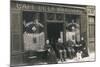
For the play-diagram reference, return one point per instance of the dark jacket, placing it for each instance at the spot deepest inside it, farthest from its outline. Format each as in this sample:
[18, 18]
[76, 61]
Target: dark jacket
[47, 46]
[70, 43]
[60, 46]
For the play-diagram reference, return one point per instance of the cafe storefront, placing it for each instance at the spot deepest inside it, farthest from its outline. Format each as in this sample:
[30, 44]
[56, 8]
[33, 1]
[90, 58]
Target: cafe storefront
[54, 20]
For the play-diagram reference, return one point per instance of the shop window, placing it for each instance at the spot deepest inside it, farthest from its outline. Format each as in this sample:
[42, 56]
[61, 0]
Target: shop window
[33, 35]
[72, 28]
[91, 19]
[59, 17]
[50, 16]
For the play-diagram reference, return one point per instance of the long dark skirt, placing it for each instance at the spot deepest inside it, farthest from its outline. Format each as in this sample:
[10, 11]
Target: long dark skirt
[51, 57]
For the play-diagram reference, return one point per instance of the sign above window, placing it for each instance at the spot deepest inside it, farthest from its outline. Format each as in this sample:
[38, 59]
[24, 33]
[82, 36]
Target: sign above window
[45, 8]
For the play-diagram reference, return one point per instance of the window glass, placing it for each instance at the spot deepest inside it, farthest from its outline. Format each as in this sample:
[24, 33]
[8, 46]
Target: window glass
[33, 35]
[72, 28]
[50, 16]
[91, 19]
[59, 17]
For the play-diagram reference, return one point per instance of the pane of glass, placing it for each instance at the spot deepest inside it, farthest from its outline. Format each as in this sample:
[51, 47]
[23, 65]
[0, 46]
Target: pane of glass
[59, 17]
[91, 19]
[50, 16]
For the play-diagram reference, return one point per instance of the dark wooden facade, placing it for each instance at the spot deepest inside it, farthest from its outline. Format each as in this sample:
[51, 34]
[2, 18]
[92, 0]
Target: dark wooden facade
[17, 9]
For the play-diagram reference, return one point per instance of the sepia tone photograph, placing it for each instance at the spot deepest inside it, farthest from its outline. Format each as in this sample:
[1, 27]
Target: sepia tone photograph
[51, 33]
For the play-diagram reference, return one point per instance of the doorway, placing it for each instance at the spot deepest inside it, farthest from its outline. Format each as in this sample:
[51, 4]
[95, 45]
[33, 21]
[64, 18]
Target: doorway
[54, 32]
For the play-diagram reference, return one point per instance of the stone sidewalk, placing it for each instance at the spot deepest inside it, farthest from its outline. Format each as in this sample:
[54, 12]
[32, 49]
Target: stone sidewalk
[91, 57]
